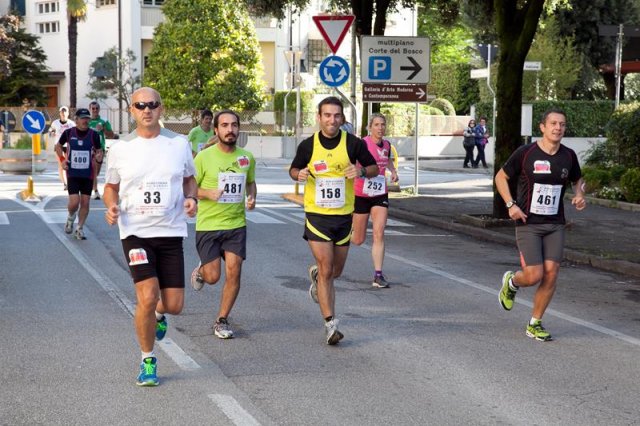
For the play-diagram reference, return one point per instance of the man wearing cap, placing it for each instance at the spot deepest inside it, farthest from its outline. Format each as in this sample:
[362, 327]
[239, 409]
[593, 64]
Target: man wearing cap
[103, 127]
[55, 131]
[79, 160]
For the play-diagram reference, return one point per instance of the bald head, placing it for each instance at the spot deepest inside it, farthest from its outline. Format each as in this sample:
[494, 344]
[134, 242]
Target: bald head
[147, 93]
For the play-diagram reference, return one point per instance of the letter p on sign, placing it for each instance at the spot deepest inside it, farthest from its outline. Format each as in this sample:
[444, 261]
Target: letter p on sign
[380, 67]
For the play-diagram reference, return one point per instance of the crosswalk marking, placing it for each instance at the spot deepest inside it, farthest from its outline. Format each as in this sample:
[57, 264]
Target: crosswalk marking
[54, 217]
[4, 219]
[257, 217]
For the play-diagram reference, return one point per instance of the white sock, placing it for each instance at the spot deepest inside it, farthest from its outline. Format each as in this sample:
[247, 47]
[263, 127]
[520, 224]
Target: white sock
[533, 320]
[513, 285]
[159, 316]
[147, 355]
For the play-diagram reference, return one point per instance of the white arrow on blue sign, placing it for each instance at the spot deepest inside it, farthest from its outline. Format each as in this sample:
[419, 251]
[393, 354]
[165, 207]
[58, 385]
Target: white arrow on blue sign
[33, 122]
[334, 71]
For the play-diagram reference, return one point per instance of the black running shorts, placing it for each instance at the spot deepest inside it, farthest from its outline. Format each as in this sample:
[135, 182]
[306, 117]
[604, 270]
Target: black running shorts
[327, 228]
[212, 244]
[80, 185]
[363, 205]
[160, 257]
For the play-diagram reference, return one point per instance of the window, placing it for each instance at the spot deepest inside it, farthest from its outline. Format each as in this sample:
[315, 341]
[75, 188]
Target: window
[102, 3]
[48, 7]
[48, 27]
[153, 2]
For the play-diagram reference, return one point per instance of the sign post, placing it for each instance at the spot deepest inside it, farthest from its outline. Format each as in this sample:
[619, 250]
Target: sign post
[33, 122]
[396, 69]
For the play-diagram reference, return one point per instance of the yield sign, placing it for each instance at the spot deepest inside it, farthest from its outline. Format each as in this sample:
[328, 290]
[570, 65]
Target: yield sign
[333, 29]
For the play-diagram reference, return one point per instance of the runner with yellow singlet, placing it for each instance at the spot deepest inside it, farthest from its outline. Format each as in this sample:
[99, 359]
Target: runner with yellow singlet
[326, 163]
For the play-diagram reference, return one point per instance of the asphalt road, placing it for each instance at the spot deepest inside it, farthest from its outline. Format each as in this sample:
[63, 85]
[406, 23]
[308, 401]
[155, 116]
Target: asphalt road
[435, 348]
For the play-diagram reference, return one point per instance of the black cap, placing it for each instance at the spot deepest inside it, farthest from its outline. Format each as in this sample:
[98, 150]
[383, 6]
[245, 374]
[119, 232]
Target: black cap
[83, 113]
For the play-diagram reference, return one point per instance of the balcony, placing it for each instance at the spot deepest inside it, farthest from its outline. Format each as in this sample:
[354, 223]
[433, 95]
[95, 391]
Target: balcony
[151, 16]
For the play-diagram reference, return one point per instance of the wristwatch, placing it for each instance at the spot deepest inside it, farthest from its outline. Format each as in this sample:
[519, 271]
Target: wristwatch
[511, 203]
[363, 172]
[193, 198]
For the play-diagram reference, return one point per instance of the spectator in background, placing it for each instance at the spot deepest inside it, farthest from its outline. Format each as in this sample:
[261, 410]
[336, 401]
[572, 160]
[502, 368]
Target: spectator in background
[469, 142]
[55, 131]
[482, 135]
[103, 127]
[200, 135]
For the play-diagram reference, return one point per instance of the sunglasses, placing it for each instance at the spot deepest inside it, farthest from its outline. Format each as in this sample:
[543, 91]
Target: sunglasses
[142, 105]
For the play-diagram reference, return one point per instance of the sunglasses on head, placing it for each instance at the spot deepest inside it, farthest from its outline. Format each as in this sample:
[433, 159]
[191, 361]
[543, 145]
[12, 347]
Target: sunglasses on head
[142, 105]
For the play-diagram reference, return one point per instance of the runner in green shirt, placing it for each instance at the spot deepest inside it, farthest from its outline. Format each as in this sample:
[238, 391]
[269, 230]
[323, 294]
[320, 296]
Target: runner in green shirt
[225, 175]
[103, 127]
[200, 135]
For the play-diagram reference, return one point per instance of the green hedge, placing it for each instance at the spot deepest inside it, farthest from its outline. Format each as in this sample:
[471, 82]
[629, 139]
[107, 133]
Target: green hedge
[452, 82]
[584, 118]
[306, 106]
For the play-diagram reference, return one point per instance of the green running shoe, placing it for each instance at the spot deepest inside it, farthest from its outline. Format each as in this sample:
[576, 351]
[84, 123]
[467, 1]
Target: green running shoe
[536, 331]
[161, 328]
[148, 375]
[507, 295]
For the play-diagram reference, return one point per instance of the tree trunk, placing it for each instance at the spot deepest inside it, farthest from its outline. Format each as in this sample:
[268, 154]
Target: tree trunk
[516, 28]
[73, 44]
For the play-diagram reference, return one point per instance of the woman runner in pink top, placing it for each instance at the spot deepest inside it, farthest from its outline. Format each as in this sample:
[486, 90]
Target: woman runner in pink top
[372, 197]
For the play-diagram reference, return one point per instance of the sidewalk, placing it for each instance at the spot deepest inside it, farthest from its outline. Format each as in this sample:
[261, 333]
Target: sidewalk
[601, 236]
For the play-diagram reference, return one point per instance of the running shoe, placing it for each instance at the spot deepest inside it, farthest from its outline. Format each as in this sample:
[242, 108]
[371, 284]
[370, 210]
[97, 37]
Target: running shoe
[196, 279]
[507, 295]
[379, 281]
[68, 226]
[221, 329]
[79, 234]
[96, 195]
[161, 328]
[536, 331]
[148, 376]
[333, 335]
[313, 288]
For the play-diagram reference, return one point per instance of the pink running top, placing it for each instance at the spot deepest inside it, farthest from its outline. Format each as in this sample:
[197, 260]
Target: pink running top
[381, 154]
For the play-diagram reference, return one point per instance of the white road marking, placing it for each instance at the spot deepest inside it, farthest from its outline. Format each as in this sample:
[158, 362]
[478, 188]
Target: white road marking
[174, 352]
[4, 219]
[494, 291]
[257, 217]
[393, 222]
[233, 410]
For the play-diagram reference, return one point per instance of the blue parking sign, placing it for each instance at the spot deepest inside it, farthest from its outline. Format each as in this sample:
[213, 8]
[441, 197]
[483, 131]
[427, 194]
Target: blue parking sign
[380, 67]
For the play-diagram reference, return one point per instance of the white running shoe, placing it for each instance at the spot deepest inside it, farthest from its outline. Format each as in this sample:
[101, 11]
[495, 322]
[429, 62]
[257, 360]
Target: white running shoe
[196, 279]
[333, 335]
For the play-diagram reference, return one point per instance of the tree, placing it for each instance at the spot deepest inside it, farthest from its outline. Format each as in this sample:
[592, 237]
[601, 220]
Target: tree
[206, 55]
[8, 24]
[76, 11]
[580, 19]
[103, 76]
[24, 83]
[561, 64]
[451, 42]
[514, 24]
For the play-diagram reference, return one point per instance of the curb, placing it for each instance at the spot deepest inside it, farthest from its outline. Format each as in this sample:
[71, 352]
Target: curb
[610, 265]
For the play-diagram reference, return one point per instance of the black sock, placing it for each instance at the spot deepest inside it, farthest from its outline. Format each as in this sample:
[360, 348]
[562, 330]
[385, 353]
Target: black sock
[329, 318]
[222, 320]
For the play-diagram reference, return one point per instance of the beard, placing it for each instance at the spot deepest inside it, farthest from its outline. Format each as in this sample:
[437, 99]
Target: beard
[229, 141]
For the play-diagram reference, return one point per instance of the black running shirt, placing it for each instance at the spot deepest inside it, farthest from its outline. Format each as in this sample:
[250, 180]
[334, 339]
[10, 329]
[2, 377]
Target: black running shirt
[541, 181]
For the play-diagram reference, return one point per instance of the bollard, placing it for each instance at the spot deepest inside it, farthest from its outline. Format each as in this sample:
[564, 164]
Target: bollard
[29, 194]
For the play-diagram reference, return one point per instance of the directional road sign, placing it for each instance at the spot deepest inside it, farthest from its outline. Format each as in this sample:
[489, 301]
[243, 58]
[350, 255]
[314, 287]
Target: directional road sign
[395, 59]
[480, 73]
[33, 122]
[394, 92]
[532, 66]
[334, 71]
[333, 29]
[8, 119]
